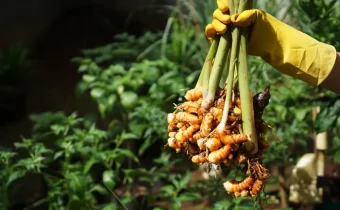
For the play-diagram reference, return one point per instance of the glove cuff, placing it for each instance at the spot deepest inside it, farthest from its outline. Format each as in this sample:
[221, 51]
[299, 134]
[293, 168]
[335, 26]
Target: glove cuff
[311, 64]
[290, 51]
[328, 55]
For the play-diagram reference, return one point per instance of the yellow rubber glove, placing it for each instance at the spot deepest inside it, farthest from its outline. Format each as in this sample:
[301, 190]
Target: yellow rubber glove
[220, 21]
[288, 50]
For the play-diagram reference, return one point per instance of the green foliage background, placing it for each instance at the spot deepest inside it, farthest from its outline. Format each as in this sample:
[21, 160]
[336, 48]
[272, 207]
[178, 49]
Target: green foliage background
[134, 82]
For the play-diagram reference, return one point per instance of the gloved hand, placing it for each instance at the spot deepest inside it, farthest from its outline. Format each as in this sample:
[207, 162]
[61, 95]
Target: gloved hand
[288, 50]
[220, 21]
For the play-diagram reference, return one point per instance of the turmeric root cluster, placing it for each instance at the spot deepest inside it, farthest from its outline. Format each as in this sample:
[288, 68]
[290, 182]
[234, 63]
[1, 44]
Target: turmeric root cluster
[251, 185]
[192, 129]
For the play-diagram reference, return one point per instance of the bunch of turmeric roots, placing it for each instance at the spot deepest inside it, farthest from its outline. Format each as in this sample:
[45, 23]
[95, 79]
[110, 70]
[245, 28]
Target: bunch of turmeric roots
[192, 129]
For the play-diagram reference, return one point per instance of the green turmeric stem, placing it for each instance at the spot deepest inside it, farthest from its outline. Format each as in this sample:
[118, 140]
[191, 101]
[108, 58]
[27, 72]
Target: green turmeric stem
[248, 124]
[246, 103]
[207, 66]
[224, 76]
[216, 72]
[233, 6]
[232, 69]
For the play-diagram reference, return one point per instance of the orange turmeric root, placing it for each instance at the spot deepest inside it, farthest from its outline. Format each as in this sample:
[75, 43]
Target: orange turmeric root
[199, 159]
[187, 117]
[256, 187]
[193, 94]
[186, 135]
[207, 124]
[218, 156]
[213, 144]
[232, 138]
[243, 193]
[236, 186]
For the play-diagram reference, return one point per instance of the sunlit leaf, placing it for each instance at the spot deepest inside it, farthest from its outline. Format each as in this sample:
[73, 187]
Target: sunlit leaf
[109, 178]
[89, 165]
[100, 188]
[128, 99]
[88, 78]
[167, 189]
[14, 176]
[97, 93]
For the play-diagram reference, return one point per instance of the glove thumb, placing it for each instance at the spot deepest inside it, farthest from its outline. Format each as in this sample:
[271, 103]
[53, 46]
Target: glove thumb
[246, 18]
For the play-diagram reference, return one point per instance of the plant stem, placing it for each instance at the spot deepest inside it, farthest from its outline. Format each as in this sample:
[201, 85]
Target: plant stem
[246, 102]
[223, 81]
[216, 72]
[114, 194]
[221, 126]
[205, 73]
[232, 68]
[165, 36]
[233, 6]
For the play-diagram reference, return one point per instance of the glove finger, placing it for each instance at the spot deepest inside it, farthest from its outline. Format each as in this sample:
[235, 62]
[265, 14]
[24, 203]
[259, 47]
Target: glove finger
[219, 27]
[222, 17]
[244, 19]
[210, 31]
[222, 5]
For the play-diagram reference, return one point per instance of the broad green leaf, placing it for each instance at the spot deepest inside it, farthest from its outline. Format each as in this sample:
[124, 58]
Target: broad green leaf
[88, 78]
[111, 206]
[100, 189]
[108, 179]
[89, 165]
[77, 184]
[149, 180]
[58, 154]
[117, 69]
[128, 99]
[128, 136]
[189, 196]
[111, 100]
[6, 156]
[175, 204]
[58, 129]
[127, 199]
[102, 109]
[301, 113]
[83, 68]
[168, 190]
[96, 93]
[137, 127]
[25, 144]
[14, 176]
[184, 180]
[146, 144]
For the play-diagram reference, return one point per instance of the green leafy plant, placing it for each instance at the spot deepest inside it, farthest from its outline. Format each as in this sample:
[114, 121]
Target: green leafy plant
[114, 158]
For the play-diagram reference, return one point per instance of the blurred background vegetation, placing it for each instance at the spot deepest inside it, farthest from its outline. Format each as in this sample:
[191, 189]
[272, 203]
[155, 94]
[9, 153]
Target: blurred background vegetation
[93, 138]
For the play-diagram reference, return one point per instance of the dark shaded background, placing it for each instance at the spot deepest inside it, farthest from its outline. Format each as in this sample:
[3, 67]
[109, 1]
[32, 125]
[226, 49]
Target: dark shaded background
[55, 31]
